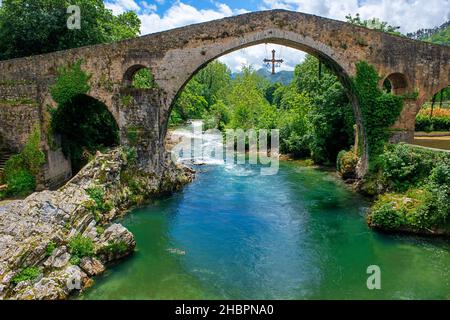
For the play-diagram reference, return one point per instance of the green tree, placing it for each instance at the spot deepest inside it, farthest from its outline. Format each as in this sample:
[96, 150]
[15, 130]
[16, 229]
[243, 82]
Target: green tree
[293, 122]
[29, 27]
[246, 100]
[373, 23]
[22, 169]
[331, 116]
[215, 79]
[209, 86]
[190, 103]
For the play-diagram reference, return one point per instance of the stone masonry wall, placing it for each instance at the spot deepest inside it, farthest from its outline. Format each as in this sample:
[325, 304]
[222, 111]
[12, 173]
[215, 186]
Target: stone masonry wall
[174, 56]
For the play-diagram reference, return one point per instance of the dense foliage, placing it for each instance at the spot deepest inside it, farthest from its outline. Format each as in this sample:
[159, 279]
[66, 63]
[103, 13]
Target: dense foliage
[439, 35]
[312, 113]
[379, 109]
[434, 123]
[143, 79]
[206, 89]
[22, 169]
[417, 186]
[435, 115]
[330, 117]
[27, 274]
[42, 26]
[84, 124]
[80, 247]
[373, 23]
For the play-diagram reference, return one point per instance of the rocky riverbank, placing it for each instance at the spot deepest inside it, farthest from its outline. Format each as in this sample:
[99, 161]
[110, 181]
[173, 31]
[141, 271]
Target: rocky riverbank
[53, 242]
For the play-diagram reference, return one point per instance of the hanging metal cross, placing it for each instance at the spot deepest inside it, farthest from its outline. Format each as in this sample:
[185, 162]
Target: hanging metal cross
[273, 61]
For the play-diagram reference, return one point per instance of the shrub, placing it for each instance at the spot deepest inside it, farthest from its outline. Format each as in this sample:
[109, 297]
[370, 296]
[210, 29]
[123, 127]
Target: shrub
[346, 164]
[384, 213]
[417, 209]
[71, 82]
[425, 123]
[423, 179]
[21, 169]
[80, 247]
[20, 183]
[405, 166]
[130, 155]
[98, 205]
[32, 155]
[115, 248]
[51, 246]
[143, 79]
[29, 273]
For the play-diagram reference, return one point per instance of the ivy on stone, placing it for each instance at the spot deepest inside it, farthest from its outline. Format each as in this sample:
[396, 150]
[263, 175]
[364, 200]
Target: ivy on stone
[379, 109]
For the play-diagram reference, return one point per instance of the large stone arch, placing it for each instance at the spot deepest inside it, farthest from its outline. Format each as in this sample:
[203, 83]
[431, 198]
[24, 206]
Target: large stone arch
[197, 58]
[173, 56]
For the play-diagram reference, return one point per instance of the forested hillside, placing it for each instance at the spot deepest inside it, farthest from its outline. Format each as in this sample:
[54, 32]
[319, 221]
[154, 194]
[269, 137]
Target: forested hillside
[439, 35]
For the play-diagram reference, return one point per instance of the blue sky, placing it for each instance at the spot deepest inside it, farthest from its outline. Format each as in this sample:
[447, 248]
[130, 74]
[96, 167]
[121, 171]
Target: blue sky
[159, 15]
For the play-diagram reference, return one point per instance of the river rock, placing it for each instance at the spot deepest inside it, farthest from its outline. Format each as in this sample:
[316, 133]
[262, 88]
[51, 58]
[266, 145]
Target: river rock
[92, 266]
[59, 258]
[115, 243]
[29, 226]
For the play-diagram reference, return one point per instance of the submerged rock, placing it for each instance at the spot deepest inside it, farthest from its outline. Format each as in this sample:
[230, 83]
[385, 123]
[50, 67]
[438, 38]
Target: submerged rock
[36, 233]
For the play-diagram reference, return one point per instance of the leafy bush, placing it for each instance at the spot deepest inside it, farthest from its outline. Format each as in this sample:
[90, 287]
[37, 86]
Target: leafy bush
[71, 82]
[21, 183]
[51, 246]
[384, 213]
[115, 248]
[405, 166]
[346, 164]
[100, 205]
[417, 209]
[423, 177]
[80, 247]
[21, 169]
[29, 273]
[130, 155]
[425, 123]
[143, 79]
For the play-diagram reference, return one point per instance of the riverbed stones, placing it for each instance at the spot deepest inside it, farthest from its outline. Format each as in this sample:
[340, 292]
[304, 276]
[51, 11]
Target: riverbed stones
[46, 221]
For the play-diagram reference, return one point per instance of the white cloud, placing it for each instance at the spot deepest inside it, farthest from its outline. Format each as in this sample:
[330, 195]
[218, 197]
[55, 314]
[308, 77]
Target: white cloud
[255, 55]
[120, 6]
[181, 14]
[410, 15]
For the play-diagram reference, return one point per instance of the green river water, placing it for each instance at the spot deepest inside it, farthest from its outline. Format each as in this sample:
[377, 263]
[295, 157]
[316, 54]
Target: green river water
[299, 234]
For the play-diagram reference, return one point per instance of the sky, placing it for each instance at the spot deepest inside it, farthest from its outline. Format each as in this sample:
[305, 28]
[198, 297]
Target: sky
[159, 15]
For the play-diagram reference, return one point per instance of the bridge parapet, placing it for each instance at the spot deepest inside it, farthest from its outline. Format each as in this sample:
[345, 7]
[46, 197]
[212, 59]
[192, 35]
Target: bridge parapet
[174, 56]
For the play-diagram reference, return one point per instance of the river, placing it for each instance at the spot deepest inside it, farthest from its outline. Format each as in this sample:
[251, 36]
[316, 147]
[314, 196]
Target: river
[299, 234]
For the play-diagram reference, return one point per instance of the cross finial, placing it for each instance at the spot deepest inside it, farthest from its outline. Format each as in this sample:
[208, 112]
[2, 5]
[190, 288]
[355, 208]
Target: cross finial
[273, 61]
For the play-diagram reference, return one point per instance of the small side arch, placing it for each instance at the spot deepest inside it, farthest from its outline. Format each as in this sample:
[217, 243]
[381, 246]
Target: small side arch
[138, 76]
[396, 83]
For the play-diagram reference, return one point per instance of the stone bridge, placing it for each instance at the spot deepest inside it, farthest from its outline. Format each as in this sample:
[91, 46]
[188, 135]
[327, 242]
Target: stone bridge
[174, 56]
